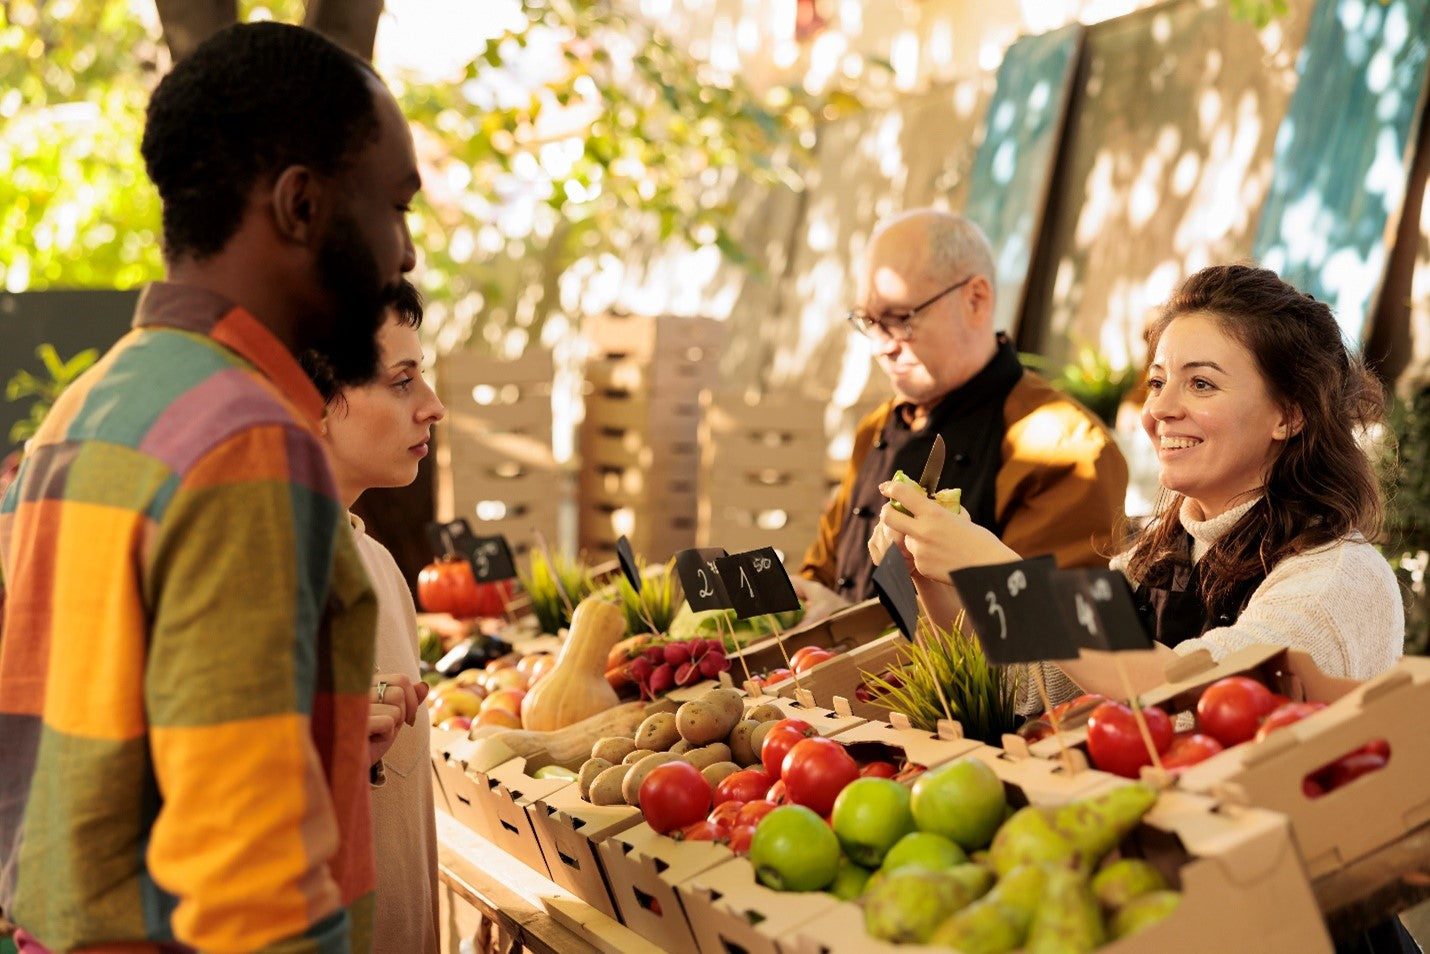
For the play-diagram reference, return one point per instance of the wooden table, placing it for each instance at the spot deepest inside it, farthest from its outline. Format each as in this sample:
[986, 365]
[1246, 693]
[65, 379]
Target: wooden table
[525, 910]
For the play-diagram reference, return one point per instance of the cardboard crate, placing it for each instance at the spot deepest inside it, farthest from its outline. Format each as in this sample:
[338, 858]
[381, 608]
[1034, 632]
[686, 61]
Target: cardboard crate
[504, 793]
[464, 798]
[835, 682]
[846, 629]
[1287, 671]
[729, 910]
[1356, 819]
[643, 868]
[569, 828]
[1238, 871]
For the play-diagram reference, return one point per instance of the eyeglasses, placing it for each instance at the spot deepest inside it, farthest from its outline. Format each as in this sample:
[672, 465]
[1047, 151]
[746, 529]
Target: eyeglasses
[898, 325]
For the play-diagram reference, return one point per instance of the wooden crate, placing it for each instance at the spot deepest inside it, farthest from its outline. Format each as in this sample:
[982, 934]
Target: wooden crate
[639, 439]
[495, 465]
[762, 480]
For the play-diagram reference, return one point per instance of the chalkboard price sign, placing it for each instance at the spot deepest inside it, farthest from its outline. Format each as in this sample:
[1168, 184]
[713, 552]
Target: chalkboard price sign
[1098, 610]
[627, 559]
[757, 583]
[1011, 608]
[704, 590]
[895, 589]
[490, 557]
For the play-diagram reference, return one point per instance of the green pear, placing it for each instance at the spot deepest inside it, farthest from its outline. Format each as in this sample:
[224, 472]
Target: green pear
[998, 921]
[905, 906]
[1125, 879]
[850, 880]
[1144, 911]
[1028, 837]
[1094, 826]
[1068, 920]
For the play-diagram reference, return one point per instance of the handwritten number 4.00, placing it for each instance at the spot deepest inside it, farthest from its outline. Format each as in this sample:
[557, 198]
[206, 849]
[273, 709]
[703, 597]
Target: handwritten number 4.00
[995, 610]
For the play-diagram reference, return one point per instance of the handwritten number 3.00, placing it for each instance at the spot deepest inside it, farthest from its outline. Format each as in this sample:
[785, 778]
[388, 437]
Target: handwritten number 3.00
[995, 610]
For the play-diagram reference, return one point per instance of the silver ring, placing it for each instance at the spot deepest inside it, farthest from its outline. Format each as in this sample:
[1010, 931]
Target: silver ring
[381, 689]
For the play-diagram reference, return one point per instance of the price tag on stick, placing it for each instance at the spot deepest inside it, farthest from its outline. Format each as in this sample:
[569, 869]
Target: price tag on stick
[490, 557]
[757, 583]
[444, 536]
[1098, 610]
[1011, 608]
[627, 560]
[704, 590]
[895, 588]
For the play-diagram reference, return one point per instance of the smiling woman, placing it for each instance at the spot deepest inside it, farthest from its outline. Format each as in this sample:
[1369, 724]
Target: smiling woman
[1268, 502]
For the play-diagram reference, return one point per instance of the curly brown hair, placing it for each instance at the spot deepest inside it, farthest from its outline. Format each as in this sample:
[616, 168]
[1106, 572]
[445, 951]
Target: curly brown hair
[1321, 486]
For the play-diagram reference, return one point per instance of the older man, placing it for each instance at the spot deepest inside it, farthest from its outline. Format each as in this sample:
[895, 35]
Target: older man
[1033, 465]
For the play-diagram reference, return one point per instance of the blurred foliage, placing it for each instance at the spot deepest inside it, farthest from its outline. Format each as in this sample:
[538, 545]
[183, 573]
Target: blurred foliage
[44, 392]
[1405, 477]
[576, 130]
[1258, 12]
[75, 207]
[1092, 380]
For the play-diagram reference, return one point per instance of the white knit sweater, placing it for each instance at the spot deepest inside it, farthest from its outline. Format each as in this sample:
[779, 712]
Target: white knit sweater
[1340, 603]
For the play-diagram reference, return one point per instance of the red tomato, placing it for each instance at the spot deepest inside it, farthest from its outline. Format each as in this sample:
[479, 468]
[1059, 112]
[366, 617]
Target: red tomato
[779, 740]
[879, 770]
[772, 677]
[446, 585]
[809, 657]
[1312, 786]
[753, 812]
[1115, 743]
[674, 795]
[746, 785]
[740, 837]
[1286, 715]
[1230, 709]
[725, 813]
[815, 771]
[703, 830]
[777, 794]
[1351, 767]
[1189, 749]
[1088, 700]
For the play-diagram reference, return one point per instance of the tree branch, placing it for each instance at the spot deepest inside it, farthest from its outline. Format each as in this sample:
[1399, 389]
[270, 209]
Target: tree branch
[187, 23]
[349, 23]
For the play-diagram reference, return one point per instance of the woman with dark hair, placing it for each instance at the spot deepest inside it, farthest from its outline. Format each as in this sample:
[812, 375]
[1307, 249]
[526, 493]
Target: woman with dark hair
[1268, 502]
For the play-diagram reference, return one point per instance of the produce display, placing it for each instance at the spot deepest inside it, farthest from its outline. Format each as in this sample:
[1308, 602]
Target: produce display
[622, 721]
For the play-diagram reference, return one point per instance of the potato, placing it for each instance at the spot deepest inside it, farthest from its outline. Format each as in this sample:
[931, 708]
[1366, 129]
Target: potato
[635, 755]
[658, 732]
[717, 773]
[631, 784]
[587, 775]
[681, 747]
[613, 748]
[709, 718]
[739, 741]
[757, 736]
[606, 789]
[766, 712]
[708, 755]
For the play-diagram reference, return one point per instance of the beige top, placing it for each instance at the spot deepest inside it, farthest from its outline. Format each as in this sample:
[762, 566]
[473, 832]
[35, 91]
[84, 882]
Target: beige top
[404, 824]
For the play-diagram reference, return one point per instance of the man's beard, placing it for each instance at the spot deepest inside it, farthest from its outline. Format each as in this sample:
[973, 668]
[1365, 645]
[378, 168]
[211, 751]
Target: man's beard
[349, 273]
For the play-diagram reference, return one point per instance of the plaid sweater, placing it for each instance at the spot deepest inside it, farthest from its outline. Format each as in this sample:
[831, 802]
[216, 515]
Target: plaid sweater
[185, 657]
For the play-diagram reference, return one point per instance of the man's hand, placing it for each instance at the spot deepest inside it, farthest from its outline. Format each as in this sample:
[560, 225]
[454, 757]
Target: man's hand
[935, 541]
[819, 600]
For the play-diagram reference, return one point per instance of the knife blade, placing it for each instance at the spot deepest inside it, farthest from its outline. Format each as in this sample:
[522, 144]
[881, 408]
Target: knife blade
[933, 470]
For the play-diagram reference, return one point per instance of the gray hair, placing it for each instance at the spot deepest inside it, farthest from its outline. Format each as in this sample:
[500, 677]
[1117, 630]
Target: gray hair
[956, 247]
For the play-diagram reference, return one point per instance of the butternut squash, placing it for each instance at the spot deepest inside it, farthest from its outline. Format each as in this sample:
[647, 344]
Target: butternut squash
[570, 746]
[576, 686]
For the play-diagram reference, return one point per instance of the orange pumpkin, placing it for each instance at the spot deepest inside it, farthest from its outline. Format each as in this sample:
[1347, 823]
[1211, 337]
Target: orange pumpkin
[446, 585]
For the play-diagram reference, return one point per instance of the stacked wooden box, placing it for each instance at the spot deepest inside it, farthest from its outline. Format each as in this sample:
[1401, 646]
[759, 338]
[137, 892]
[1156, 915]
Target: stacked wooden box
[762, 472]
[495, 466]
[640, 457]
